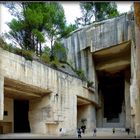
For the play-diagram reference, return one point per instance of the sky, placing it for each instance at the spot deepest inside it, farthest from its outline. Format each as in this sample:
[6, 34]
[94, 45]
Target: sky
[72, 10]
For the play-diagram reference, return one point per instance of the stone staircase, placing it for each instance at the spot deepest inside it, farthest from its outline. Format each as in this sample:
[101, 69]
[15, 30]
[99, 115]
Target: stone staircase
[107, 132]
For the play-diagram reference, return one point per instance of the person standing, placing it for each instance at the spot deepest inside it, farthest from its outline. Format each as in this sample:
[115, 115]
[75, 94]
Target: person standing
[113, 130]
[94, 132]
[83, 129]
[128, 130]
[79, 133]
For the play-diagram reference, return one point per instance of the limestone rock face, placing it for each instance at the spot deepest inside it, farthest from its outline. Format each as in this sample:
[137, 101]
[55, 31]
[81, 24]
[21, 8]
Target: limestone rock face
[97, 36]
[59, 99]
[82, 43]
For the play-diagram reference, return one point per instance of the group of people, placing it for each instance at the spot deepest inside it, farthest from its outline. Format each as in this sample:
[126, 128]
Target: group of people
[82, 130]
[83, 127]
[95, 131]
[127, 130]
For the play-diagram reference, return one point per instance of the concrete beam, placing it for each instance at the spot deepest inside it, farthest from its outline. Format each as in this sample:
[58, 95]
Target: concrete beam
[113, 65]
[16, 92]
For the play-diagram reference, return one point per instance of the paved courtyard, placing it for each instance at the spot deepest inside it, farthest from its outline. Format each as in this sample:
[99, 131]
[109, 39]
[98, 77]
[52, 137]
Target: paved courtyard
[101, 135]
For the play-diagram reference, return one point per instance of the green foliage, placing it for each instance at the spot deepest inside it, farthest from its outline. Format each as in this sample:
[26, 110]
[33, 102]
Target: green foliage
[46, 50]
[67, 30]
[26, 54]
[105, 10]
[81, 74]
[9, 47]
[96, 11]
[2, 43]
[45, 58]
[90, 83]
[35, 22]
[5, 46]
[69, 64]
[56, 21]
[55, 63]
[38, 35]
[46, 55]
[59, 52]
[87, 14]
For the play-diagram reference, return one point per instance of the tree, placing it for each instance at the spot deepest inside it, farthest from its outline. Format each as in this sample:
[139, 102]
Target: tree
[96, 11]
[59, 51]
[27, 27]
[37, 22]
[56, 21]
[67, 30]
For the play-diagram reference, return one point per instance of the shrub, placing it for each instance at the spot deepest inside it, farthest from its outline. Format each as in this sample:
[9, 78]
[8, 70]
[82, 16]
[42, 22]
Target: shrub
[90, 83]
[59, 51]
[45, 58]
[81, 74]
[25, 53]
[5, 46]
[55, 63]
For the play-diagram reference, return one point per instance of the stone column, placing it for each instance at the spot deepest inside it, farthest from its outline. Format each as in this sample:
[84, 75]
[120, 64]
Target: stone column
[91, 68]
[127, 100]
[99, 113]
[1, 97]
[137, 38]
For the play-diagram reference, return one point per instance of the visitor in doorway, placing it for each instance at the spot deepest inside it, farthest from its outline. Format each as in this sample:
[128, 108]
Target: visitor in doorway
[61, 131]
[94, 132]
[79, 133]
[83, 127]
[128, 130]
[113, 130]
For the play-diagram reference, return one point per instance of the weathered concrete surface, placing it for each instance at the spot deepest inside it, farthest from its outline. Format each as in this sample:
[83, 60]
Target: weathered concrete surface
[95, 37]
[1, 97]
[38, 75]
[58, 97]
[83, 112]
[127, 100]
[52, 94]
[116, 36]
[137, 36]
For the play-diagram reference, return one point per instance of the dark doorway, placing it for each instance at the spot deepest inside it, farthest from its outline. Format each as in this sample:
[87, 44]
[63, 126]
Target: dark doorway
[21, 122]
[112, 87]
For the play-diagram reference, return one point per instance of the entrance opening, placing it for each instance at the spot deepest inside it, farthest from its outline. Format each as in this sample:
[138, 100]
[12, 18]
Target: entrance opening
[21, 122]
[82, 111]
[112, 88]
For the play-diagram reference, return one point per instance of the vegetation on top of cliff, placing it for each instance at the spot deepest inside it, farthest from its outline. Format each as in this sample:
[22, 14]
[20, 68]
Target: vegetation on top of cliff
[96, 11]
[37, 24]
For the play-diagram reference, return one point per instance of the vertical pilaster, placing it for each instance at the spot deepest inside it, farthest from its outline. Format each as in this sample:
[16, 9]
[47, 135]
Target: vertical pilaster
[127, 100]
[1, 97]
[137, 39]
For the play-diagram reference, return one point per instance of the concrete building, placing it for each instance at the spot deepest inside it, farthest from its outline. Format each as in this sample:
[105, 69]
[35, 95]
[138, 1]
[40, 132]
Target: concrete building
[36, 98]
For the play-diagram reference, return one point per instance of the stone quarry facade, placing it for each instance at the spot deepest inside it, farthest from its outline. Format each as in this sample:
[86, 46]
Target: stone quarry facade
[39, 99]
[106, 52]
